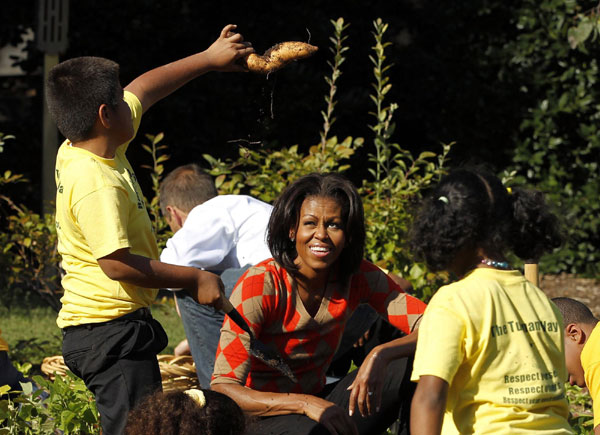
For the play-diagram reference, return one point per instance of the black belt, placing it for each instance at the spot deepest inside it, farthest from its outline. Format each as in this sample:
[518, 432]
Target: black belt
[139, 314]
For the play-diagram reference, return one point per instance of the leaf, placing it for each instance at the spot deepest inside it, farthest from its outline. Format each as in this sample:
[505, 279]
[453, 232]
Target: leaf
[158, 138]
[577, 35]
[26, 387]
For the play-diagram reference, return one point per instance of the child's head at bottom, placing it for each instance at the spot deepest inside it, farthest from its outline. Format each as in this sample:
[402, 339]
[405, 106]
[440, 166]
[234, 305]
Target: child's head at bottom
[579, 323]
[192, 412]
[471, 216]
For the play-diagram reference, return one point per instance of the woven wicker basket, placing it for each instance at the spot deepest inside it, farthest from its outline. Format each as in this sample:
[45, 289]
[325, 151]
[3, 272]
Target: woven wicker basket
[178, 373]
[54, 365]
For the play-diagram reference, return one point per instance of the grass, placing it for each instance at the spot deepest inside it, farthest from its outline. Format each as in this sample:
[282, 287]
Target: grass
[32, 333]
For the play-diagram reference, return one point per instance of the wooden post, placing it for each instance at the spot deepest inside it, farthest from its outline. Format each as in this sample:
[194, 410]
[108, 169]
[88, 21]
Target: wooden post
[532, 273]
[53, 20]
[49, 145]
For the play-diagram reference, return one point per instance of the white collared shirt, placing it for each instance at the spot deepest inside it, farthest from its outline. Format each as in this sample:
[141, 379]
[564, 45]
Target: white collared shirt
[227, 231]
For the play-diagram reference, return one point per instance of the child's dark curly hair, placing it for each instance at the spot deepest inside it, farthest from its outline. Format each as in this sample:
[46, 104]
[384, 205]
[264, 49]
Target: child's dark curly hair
[470, 208]
[176, 413]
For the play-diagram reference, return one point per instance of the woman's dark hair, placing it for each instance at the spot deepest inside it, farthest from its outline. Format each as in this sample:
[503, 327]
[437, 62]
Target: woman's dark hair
[176, 413]
[471, 208]
[286, 213]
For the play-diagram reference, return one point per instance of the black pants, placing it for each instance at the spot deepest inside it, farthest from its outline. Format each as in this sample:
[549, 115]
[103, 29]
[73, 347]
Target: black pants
[117, 362]
[395, 402]
[395, 405]
[9, 375]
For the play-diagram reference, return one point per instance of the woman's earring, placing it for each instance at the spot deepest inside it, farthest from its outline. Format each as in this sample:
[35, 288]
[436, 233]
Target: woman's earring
[292, 238]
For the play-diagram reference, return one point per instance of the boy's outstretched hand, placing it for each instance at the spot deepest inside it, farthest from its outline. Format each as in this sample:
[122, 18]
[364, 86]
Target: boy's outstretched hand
[227, 49]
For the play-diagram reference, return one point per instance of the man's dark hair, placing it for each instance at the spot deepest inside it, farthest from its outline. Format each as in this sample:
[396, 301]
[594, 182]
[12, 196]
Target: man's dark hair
[76, 88]
[286, 213]
[186, 187]
[574, 311]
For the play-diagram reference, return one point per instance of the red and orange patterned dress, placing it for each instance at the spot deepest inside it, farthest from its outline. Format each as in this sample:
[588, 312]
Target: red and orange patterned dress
[267, 297]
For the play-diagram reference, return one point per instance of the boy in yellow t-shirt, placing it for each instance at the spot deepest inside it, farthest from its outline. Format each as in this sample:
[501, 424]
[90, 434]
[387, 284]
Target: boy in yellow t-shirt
[105, 236]
[582, 349]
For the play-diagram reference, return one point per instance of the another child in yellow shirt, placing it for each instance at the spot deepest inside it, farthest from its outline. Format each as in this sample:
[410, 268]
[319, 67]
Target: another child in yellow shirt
[489, 355]
[582, 349]
[105, 236]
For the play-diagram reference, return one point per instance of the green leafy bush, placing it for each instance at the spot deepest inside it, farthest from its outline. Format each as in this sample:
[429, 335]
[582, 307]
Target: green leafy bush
[581, 415]
[28, 256]
[64, 405]
[558, 149]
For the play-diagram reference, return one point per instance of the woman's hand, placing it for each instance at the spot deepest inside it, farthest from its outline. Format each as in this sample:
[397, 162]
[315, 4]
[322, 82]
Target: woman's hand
[334, 418]
[367, 387]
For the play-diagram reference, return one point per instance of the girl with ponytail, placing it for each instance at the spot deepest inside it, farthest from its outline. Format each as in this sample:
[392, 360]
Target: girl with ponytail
[490, 351]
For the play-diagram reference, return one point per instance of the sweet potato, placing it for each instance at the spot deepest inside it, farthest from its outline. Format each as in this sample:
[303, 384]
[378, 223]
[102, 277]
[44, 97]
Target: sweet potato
[278, 56]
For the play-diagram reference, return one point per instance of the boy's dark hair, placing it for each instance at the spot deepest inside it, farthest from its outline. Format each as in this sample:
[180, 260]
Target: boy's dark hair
[176, 413]
[186, 187]
[574, 311]
[286, 213]
[76, 88]
[471, 208]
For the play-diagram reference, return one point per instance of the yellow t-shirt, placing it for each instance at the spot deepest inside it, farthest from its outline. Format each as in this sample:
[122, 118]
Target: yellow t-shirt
[590, 361]
[99, 209]
[3, 344]
[498, 342]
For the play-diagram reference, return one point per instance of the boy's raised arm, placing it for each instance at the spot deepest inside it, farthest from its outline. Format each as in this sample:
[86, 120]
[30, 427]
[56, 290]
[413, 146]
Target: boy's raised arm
[222, 55]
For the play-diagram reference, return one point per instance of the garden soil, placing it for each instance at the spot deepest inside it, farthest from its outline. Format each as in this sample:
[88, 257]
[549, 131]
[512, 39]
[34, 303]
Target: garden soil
[582, 289]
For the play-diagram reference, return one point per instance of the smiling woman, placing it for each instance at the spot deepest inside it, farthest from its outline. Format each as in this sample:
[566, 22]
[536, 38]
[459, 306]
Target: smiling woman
[299, 302]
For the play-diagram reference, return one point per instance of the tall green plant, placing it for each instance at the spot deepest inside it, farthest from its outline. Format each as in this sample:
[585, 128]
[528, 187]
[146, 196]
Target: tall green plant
[338, 50]
[157, 169]
[397, 181]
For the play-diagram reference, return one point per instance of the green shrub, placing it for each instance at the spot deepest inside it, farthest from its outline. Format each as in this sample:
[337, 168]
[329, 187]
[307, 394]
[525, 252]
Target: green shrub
[28, 256]
[31, 257]
[558, 149]
[581, 416]
[64, 404]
